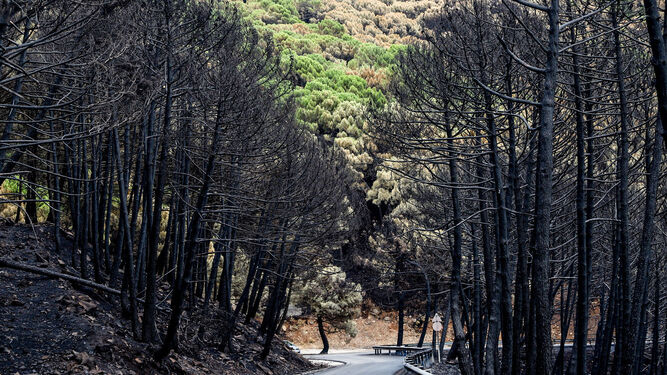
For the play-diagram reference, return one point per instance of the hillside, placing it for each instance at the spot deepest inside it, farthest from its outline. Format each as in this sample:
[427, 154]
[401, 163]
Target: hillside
[344, 55]
[383, 23]
[51, 326]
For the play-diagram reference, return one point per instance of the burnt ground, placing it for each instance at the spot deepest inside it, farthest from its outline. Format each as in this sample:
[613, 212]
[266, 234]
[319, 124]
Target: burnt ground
[445, 368]
[50, 326]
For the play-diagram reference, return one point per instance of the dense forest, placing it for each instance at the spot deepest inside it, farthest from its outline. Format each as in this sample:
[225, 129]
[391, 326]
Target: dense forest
[210, 164]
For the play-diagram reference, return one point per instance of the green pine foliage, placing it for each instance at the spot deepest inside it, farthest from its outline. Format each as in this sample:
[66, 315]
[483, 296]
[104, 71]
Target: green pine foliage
[338, 77]
[323, 98]
[330, 296]
[276, 11]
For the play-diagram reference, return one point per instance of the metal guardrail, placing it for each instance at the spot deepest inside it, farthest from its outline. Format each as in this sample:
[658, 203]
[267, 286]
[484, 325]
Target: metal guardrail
[415, 370]
[590, 341]
[417, 358]
[421, 359]
[398, 349]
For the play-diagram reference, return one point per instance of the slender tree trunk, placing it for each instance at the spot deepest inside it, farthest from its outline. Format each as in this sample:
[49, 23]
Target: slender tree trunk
[214, 266]
[655, 350]
[272, 313]
[477, 306]
[492, 287]
[56, 204]
[659, 60]
[664, 353]
[565, 315]
[149, 328]
[16, 95]
[427, 311]
[502, 245]
[109, 207]
[163, 260]
[129, 262]
[579, 360]
[93, 196]
[31, 198]
[170, 341]
[400, 304]
[274, 289]
[84, 214]
[256, 297]
[640, 295]
[445, 324]
[243, 299]
[543, 199]
[465, 364]
[323, 335]
[623, 329]
[601, 362]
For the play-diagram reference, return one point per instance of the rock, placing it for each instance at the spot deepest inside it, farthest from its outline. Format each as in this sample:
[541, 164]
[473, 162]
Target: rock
[265, 369]
[84, 359]
[88, 306]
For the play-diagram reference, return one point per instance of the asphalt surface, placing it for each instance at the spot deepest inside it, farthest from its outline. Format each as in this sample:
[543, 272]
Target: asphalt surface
[361, 363]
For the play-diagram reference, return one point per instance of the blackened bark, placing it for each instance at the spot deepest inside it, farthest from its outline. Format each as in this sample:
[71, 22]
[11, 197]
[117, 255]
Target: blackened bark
[400, 304]
[150, 329]
[543, 199]
[565, 314]
[640, 295]
[217, 248]
[445, 325]
[504, 301]
[583, 253]
[272, 314]
[129, 262]
[476, 306]
[463, 354]
[655, 350]
[31, 198]
[180, 287]
[55, 202]
[16, 95]
[323, 335]
[623, 330]
[427, 311]
[659, 60]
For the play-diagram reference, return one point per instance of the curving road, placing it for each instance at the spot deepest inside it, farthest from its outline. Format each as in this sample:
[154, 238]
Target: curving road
[361, 363]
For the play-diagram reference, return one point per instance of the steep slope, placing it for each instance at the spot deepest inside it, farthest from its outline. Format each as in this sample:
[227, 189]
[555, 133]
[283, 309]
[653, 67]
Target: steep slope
[51, 326]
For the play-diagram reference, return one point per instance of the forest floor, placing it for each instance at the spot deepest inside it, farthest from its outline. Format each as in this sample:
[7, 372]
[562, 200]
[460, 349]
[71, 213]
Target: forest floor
[51, 326]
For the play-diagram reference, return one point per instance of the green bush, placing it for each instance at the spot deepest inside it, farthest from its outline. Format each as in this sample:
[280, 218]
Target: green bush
[331, 27]
[321, 102]
[373, 56]
[277, 12]
[310, 67]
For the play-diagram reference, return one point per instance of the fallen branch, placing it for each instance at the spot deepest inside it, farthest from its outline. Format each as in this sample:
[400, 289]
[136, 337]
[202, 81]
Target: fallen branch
[64, 276]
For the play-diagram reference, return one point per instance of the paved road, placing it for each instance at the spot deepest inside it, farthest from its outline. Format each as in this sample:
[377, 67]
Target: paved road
[361, 363]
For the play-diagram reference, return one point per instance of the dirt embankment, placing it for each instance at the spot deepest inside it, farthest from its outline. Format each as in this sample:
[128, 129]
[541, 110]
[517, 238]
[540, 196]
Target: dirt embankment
[50, 326]
[375, 327]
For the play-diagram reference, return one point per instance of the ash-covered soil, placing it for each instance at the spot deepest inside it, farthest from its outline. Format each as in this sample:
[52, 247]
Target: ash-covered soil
[51, 326]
